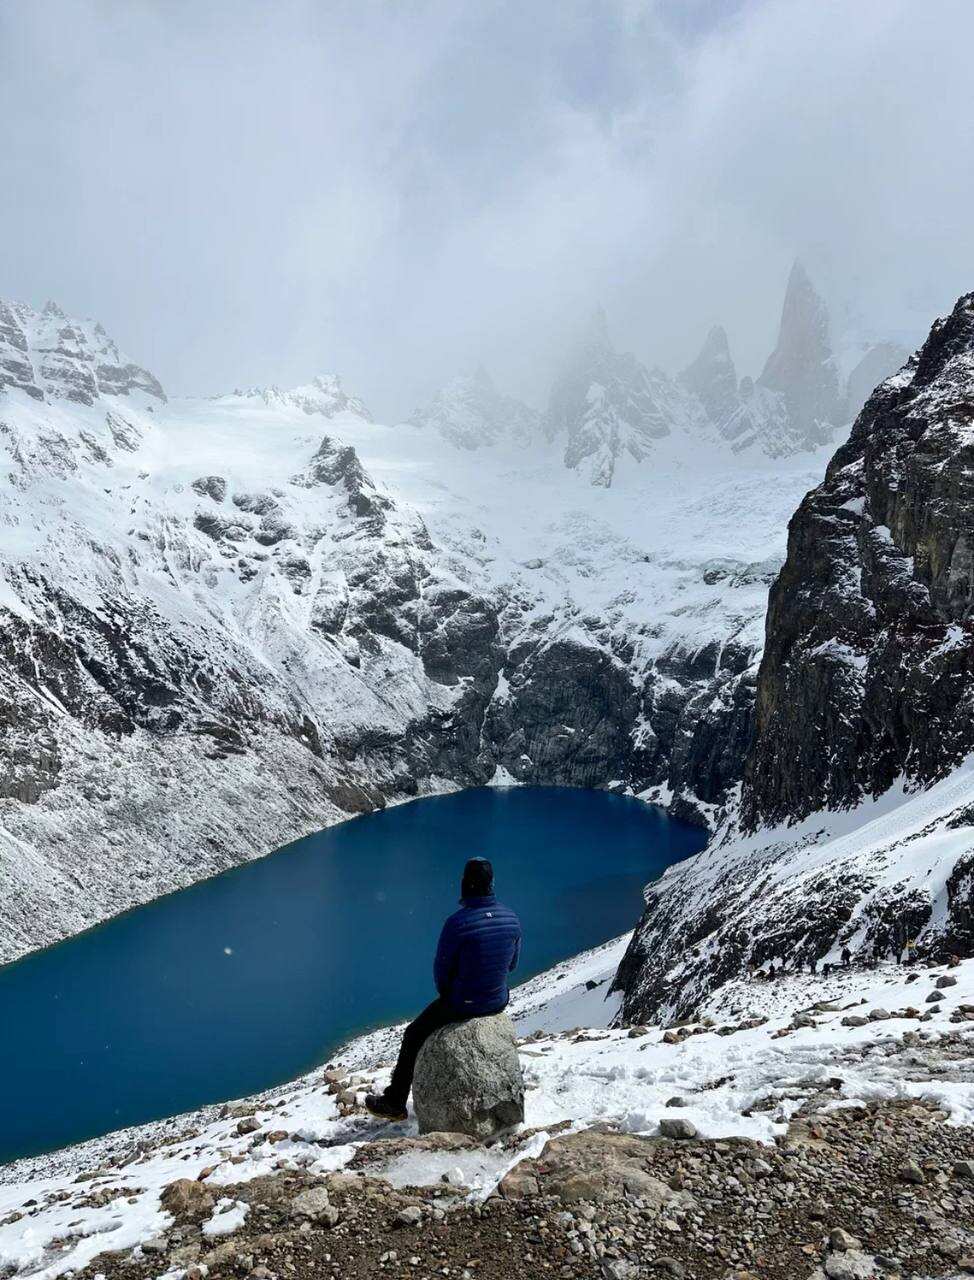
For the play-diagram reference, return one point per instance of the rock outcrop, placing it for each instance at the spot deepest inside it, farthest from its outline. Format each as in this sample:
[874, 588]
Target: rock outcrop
[878, 362]
[468, 1079]
[324, 395]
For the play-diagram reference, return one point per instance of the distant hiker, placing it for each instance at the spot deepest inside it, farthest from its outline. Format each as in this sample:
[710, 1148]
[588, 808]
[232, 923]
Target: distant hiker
[827, 969]
[846, 957]
[812, 963]
[770, 972]
[479, 946]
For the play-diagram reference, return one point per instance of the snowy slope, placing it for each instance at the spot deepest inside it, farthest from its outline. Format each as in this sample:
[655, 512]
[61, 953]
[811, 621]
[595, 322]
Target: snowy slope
[891, 870]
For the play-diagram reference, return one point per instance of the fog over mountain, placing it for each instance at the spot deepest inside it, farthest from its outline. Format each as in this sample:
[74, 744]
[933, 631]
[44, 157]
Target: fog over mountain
[252, 194]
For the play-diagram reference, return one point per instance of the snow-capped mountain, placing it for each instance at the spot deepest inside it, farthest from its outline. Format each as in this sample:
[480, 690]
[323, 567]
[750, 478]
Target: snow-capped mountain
[323, 395]
[856, 820]
[225, 623]
[49, 357]
[470, 412]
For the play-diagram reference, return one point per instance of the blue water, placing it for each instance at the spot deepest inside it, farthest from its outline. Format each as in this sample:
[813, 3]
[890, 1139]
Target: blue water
[245, 980]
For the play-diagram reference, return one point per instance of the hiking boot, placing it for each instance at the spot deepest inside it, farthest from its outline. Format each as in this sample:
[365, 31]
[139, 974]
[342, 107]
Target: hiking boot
[380, 1106]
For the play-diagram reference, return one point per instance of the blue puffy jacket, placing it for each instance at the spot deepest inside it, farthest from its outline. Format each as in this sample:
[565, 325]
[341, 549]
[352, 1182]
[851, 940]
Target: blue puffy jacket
[479, 946]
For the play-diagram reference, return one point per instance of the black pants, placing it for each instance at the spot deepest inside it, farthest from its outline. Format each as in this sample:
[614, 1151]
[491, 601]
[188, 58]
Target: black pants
[435, 1015]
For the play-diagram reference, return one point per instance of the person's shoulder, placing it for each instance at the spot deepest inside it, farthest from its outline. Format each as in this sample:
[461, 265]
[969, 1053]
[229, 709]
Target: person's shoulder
[503, 909]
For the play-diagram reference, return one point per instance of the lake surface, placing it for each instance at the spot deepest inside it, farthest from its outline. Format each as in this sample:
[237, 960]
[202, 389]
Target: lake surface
[248, 979]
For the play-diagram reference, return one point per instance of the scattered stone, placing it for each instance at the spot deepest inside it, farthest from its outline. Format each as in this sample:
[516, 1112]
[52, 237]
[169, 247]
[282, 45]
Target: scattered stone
[316, 1205]
[842, 1240]
[910, 1171]
[677, 1127]
[945, 980]
[249, 1124]
[411, 1216]
[964, 1169]
[518, 1182]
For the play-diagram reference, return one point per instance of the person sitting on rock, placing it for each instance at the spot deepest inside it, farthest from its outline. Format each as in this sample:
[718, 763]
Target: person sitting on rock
[479, 946]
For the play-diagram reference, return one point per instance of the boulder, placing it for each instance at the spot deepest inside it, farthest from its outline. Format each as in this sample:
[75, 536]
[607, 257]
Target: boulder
[186, 1198]
[468, 1079]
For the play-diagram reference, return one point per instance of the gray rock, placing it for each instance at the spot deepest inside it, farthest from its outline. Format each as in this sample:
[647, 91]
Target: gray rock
[411, 1216]
[314, 1203]
[934, 997]
[214, 487]
[946, 980]
[841, 1240]
[852, 1264]
[677, 1127]
[468, 1079]
[618, 1269]
[911, 1172]
[964, 1169]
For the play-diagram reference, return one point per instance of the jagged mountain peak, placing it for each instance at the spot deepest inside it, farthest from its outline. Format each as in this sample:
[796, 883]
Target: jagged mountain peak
[712, 377]
[49, 356]
[802, 367]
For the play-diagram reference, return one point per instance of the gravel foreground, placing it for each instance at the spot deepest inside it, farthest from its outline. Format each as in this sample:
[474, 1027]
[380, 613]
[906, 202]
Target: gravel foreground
[881, 1190]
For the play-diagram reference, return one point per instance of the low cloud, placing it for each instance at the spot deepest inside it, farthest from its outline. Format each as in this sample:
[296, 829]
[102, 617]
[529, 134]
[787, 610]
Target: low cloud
[246, 192]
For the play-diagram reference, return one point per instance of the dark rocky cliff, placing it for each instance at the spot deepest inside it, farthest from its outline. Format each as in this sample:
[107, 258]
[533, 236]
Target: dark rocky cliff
[868, 667]
[865, 690]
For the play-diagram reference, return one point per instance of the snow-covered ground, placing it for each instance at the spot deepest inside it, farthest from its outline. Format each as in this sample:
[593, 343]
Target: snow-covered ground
[744, 1069]
[844, 878]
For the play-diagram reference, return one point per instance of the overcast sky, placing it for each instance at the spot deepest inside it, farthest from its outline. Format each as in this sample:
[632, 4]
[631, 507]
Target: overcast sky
[252, 192]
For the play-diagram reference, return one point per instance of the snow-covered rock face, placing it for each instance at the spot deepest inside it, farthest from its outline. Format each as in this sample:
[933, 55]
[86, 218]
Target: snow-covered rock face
[470, 412]
[608, 407]
[50, 357]
[865, 690]
[878, 362]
